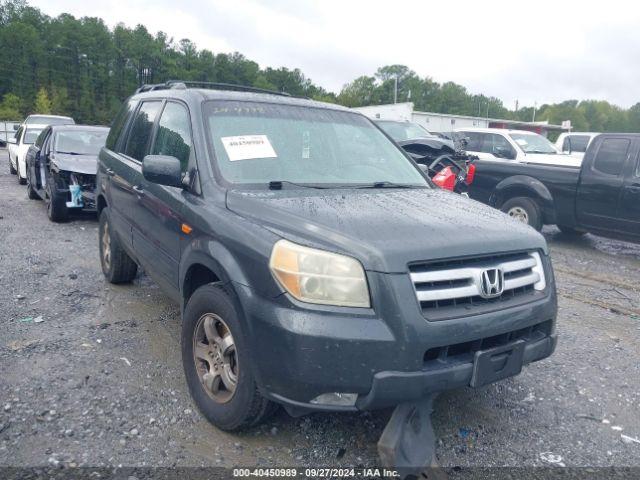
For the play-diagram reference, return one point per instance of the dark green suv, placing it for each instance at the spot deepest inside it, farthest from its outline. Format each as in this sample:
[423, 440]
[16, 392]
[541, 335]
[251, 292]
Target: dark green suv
[316, 265]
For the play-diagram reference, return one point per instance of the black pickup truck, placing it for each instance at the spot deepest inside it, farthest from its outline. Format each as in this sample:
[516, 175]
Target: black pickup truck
[602, 196]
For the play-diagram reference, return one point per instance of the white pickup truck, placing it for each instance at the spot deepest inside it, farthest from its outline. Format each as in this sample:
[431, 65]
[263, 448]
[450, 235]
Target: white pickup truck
[515, 145]
[575, 143]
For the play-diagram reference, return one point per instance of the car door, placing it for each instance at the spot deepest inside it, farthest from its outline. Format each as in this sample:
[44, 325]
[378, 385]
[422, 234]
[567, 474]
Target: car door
[35, 156]
[497, 147]
[629, 205]
[159, 215]
[124, 169]
[601, 182]
[475, 141]
[13, 147]
[42, 162]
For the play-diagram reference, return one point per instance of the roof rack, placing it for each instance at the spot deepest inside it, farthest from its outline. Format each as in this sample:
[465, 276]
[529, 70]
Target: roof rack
[183, 85]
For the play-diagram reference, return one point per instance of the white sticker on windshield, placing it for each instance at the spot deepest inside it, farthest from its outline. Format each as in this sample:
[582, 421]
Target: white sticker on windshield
[522, 142]
[247, 147]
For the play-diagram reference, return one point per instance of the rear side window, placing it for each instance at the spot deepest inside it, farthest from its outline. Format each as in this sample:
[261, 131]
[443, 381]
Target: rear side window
[474, 141]
[611, 156]
[119, 122]
[141, 129]
[575, 143]
[174, 134]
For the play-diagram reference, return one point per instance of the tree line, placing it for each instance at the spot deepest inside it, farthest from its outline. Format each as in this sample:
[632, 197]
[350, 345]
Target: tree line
[82, 68]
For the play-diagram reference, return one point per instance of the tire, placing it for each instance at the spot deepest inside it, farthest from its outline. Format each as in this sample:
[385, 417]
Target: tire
[57, 210]
[570, 231]
[228, 410]
[117, 265]
[524, 210]
[12, 170]
[21, 180]
[31, 193]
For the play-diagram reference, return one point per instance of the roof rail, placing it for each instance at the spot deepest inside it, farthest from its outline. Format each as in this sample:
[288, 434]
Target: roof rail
[184, 84]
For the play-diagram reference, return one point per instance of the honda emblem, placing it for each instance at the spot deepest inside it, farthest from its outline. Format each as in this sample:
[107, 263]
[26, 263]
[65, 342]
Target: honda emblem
[491, 283]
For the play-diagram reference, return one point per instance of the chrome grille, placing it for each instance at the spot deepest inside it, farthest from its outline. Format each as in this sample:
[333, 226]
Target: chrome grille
[458, 283]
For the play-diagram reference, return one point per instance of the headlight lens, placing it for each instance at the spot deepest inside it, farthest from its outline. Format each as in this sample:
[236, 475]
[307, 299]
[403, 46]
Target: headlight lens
[316, 276]
[539, 269]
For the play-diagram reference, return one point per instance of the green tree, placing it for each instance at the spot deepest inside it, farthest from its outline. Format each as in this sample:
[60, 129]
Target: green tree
[42, 103]
[10, 107]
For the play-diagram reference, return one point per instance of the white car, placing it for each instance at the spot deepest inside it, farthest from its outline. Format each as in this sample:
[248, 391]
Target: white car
[515, 145]
[575, 143]
[18, 146]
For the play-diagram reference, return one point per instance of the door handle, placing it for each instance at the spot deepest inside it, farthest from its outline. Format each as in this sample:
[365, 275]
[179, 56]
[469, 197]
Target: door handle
[110, 172]
[139, 190]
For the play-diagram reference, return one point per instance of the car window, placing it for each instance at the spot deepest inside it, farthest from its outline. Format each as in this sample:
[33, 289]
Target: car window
[611, 155]
[174, 134]
[119, 122]
[474, 141]
[141, 129]
[498, 146]
[41, 138]
[30, 135]
[575, 143]
[80, 142]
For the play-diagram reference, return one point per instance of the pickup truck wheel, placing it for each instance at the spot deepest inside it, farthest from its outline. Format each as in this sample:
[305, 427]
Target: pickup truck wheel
[116, 264]
[57, 210]
[216, 361]
[12, 170]
[524, 210]
[571, 231]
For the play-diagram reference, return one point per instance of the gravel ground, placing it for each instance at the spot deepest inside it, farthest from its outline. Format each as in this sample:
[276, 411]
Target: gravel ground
[90, 373]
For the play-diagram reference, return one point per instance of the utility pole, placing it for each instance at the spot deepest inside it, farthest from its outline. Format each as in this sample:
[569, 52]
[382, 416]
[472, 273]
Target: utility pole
[535, 105]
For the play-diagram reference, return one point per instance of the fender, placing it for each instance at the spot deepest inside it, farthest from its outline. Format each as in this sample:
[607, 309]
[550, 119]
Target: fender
[524, 186]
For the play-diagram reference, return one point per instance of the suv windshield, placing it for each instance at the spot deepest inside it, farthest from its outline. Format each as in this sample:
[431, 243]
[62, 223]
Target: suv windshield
[401, 131]
[258, 143]
[30, 135]
[533, 143]
[80, 142]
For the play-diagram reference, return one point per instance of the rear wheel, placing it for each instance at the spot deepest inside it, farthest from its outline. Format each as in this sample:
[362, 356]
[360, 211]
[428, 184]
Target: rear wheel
[216, 362]
[571, 231]
[21, 180]
[524, 210]
[116, 264]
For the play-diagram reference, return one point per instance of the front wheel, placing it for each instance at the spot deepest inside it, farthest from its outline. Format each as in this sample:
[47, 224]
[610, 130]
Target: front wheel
[12, 170]
[524, 210]
[31, 193]
[21, 179]
[216, 362]
[57, 210]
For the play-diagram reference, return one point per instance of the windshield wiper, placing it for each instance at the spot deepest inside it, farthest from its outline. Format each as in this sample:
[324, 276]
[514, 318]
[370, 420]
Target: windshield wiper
[277, 185]
[541, 151]
[386, 184]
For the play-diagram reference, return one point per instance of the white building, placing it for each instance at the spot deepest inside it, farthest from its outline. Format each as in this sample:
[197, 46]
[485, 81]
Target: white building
[442, 122]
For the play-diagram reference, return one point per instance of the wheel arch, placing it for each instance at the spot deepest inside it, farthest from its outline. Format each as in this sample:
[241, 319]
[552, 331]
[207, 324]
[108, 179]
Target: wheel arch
[525, 186]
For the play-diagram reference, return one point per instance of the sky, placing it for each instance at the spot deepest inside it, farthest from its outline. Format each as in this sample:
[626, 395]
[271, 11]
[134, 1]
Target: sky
[543, 51]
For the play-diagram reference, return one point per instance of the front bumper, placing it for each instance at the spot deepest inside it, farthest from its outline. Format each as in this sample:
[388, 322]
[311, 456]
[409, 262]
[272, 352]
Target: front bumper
[387, 355]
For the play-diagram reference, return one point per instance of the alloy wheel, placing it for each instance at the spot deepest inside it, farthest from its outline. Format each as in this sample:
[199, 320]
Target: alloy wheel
[519, 213]
[215, 357]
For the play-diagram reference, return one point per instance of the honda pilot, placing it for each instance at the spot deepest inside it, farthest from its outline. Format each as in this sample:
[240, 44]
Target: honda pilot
[316, 265]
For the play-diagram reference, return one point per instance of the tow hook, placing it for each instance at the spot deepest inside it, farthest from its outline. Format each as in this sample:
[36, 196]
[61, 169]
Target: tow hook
[407, 443]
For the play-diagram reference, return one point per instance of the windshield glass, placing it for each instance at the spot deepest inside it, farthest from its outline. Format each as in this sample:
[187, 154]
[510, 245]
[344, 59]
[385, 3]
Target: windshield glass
[257, 143]
[31, 134]
[80, 142]
[533, 143]
[401, 131]
[48, 120]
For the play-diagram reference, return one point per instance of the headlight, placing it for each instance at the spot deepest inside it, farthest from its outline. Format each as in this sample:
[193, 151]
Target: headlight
[316, 276]
[541, 284]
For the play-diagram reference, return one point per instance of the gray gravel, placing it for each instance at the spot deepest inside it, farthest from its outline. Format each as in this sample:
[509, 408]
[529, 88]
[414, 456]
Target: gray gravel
[90, 373]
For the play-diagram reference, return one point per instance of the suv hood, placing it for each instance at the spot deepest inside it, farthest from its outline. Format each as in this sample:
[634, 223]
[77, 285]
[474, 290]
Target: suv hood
[387, 228]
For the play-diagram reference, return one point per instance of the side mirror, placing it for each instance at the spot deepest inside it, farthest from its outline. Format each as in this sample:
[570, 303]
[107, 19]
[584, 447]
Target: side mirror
[502, 152]
[15, 127]
[163, 170]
